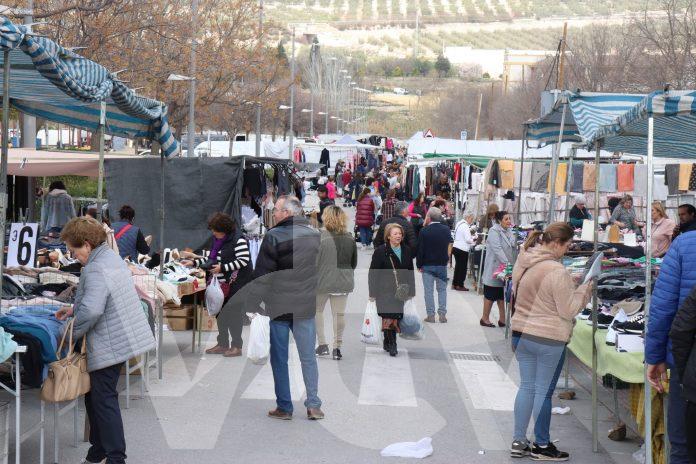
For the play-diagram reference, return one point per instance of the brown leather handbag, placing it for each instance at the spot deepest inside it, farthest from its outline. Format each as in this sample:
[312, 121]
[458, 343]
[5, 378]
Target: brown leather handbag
[68, 378]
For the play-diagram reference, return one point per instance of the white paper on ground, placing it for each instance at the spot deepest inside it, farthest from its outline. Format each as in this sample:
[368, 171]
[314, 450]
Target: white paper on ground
[560, 411]
[419, 449]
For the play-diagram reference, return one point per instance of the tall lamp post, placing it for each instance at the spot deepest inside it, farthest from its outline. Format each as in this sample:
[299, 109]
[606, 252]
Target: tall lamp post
[258, 103]
[311, 120]
[291, 146]
[189, 138]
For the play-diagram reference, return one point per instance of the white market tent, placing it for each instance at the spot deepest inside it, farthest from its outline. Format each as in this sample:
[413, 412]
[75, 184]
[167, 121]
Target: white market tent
[221, 149]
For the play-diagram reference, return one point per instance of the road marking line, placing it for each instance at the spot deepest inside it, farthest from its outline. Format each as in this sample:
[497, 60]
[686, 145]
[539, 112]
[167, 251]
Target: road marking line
[488, 385]
[387, 381]
[262, 387]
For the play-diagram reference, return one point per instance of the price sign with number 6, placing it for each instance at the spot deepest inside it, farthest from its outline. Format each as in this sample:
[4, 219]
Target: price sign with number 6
[21, 250]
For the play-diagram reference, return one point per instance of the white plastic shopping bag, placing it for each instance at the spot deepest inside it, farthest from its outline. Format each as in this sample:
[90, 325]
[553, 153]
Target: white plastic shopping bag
[259, 338]
[214, 298]
[371, 328]
[419, 449]
[412, 328]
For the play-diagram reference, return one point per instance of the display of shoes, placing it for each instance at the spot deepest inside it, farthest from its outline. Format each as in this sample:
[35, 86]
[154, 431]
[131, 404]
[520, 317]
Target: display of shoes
[603, 320]
[634, 324]
[611, 333]
[629, 306]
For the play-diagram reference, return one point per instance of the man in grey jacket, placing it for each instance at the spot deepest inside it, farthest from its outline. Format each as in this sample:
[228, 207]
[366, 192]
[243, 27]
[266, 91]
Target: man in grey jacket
[108, 312]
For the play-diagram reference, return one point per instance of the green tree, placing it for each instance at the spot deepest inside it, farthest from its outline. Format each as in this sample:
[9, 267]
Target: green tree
[422, 67]
[442, 65]
[281, 54]
[397, 72]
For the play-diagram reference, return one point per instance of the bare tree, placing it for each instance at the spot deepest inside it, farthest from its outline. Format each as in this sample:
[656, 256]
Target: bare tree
[669, 40]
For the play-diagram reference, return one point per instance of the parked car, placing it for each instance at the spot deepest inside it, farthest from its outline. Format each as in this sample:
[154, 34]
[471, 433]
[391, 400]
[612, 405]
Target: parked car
[400, 91]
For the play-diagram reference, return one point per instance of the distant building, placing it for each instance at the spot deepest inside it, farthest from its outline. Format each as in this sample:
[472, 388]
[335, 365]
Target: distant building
[516, 65]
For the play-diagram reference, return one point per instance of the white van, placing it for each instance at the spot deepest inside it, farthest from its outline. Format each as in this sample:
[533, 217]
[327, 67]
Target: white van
[400, 91]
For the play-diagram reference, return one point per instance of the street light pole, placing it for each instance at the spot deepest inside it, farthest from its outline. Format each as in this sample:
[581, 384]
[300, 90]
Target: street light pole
[258, 102]
[191, 139]
[291, 147]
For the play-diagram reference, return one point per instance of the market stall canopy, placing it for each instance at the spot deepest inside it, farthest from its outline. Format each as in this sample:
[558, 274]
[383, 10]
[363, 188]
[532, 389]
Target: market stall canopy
[349, 142]
[52, 82]
[221, 148]
[33, 163]
[620, 121]
[545, 130]
[434, 147]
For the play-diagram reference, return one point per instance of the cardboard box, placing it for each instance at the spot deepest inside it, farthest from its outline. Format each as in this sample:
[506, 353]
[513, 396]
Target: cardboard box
[178, 325]
[132, 362]
[178, 319]
[208, 323]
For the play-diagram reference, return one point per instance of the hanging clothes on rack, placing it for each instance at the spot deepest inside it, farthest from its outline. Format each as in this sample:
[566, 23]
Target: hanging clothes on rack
[578, 175]
[625, 176]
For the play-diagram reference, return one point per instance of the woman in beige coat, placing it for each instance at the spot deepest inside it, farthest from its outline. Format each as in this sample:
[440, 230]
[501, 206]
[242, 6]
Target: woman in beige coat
[546, 304]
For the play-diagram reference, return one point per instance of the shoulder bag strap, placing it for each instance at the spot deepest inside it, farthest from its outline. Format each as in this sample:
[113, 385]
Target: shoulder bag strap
[123, 231]
[68, 328]
[394, 270]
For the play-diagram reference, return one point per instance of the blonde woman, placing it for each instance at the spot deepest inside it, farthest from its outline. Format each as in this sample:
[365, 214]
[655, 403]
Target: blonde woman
[661, 230]
[336, 263]
[387, 260]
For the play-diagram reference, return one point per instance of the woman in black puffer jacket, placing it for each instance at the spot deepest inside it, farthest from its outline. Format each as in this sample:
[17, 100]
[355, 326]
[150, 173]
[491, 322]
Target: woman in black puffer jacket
[386, 259]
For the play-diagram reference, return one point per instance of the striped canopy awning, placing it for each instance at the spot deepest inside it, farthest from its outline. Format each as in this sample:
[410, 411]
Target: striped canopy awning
[619, 122]
[544, 131]
[51, 82]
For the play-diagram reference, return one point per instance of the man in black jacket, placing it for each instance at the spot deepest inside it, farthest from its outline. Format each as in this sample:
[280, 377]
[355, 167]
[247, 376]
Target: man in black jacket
[285, 279]
[682, 334]
[431, 260]
[400, 217]
[687, 220]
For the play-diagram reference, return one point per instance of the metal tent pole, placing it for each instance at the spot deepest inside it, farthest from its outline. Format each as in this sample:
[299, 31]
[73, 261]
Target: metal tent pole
[554, 167]
[160, 307]
[595, 432]
[569, 181]
[100, 180]
[519, 190]
[647, 403]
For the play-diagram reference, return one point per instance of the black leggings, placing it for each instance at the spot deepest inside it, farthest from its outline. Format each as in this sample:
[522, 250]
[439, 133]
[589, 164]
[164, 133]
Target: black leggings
[461, 262]
[230, 322]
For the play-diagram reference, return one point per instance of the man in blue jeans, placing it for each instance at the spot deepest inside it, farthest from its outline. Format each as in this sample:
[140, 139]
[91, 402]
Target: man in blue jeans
[434, 248]
[676, 279]
[285, 280]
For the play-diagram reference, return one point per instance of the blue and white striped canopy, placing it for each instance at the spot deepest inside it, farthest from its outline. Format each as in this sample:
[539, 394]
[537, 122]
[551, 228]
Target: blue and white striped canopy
[619, 122]
[51, 82]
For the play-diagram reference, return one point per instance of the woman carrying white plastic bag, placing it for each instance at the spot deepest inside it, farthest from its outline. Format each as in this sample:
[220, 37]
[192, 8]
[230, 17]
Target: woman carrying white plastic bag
[259, 338]
[372, 325]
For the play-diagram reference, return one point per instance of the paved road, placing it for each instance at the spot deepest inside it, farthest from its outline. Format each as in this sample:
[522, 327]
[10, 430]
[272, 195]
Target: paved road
[213, 410]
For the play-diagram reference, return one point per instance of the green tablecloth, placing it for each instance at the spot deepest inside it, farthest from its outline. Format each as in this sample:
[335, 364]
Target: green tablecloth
[624, 366]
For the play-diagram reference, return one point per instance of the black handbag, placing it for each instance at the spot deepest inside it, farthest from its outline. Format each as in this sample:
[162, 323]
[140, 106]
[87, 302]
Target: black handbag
[403, 291]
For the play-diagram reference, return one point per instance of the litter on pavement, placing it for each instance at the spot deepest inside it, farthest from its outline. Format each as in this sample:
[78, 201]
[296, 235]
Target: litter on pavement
[419, 449]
